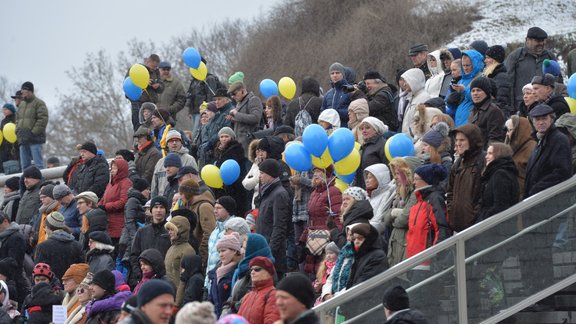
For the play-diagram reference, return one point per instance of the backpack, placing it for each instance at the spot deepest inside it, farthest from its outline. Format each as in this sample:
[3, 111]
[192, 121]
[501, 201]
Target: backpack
[302, 119]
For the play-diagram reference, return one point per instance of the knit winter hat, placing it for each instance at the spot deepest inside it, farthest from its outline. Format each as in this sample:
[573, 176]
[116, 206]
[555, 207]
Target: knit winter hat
[357, 193]
[299, 286]
[13, 183]
[271, 167]
[211, 106]
[395, 299]
[263, 262]
[173, 134]
[32, 172]
[483, 83]
[10, 107]
[375, 123]
[432, 174]
[456, 52]
[27, 86]
[337, 67]
[189, 186]
[362, 229]
[197, 312]
[152, 289]
[551, 67]
[162, 114]
[105, 279]
[230, 319]
[250, 219]
[172, 160]
[61, 191]
[47, 190]
[100, 237]
[42, 269]
[140, 184]
[228, 131]
[332, 247]
[496, 52]
[480, 46]
[230, 241]
[160, 200]
[89, 196]
[236, 77]
[238, 225]
[90, 147]
[56, 220]
[435, 136]
[76, 272]
[228, 203]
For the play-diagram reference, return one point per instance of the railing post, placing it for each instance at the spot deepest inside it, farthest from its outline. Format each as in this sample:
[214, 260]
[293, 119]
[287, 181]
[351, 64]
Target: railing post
[460, 262]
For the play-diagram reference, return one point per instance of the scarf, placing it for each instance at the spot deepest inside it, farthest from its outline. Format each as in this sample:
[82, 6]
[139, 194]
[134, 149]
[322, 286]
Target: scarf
[223, 270]
[49, 208]
[71, 303]
[329, 267]
[340, 275]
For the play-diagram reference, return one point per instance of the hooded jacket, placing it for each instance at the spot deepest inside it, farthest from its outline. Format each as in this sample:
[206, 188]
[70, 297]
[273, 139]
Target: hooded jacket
[381, 197]
[434, 83]
[369, 259]
[338, 100]
[100, 258]
[39, 303]
[60, 250]
[115, 198]
[133, 215]
[499, 187]
[417, 95]
[192, 278]
[360, 212]
[160, 180]
[146, 158]
[522, 144]
[91, 175]
[462, 110]
[330, 116]
[178, 250]
[156, 259]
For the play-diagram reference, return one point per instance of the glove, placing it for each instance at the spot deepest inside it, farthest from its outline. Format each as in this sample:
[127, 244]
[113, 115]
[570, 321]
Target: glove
[454, 99]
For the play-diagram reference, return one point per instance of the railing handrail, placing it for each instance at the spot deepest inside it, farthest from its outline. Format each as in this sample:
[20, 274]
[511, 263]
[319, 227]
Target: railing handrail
[465, 235]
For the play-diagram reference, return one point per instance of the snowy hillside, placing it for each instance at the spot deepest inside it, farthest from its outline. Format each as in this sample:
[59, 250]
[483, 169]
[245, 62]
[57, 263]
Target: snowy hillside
[506, 21]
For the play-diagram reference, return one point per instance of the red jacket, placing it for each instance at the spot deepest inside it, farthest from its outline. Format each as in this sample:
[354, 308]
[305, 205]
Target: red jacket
[115, 197]
[318, 208]
[259, 305]
[423, 231]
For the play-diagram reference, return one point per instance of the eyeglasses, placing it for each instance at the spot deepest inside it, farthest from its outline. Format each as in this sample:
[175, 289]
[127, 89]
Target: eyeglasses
[256, 269]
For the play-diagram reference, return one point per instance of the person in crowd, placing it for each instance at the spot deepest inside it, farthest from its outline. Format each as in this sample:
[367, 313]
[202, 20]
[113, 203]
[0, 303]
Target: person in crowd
[369, 256]
[380, 189]
[48, 206]
[92, 173]
[200, 91]
[463, 195]
[459, 100]
[173, 97]
[193, 279]
[357, 112]
[529, 100]
[496, 70]
[435, 147]
[84, 296]
[115, 197]
[329, 120]
[224, 210]
[134, 215]
[42, 272]
[8, 309]
[272, 114]
[355, 209]
[519, 137]
[12, 196]
[106, 302]
[31, 122]
[447, 58]
[551, 161]
[567, 125]
[422, 119]
[205, 117]
[155, 302]
[93, 218]
[30, 201]
[38, 305]
[151, 264]
[397, 307]
[434, 83]
[252, 178]
[230, 251]
[418, 55]
[323, 282]
[128, 156]
[323, 210]
[274, 212]
[500, 188]
[60, 249]
[543, 87]
[99, 255]
[259, 305]
[178, 229]
[525, 62]
[146, 154]
[246, 115]
[12, 251]
[151, 236]
[306, 108]
[336, 98]
[380, 98]
[372, 150]
[68, 208]
[217, 111]
[294, 297]
[151, 93]
[272, 147]
[161, 124]
[485, 113]
[413, 83]
[9, 152]
[198, 312]
[341, 271]
[71, 280]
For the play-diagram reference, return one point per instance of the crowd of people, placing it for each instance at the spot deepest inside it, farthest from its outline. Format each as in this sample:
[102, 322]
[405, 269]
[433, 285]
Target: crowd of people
[143, 239]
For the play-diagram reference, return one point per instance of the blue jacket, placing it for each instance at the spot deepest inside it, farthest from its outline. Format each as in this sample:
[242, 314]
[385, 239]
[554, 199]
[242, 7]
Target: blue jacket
[72, 218]
[462, 111]
[220, 290]
[337, 99]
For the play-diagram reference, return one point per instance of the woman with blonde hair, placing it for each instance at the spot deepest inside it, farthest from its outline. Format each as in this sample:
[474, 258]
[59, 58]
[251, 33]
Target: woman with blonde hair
[355, 208]
[251, 180]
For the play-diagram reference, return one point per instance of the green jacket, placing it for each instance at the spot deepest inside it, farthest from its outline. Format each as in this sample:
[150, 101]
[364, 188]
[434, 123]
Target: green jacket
[31, 121]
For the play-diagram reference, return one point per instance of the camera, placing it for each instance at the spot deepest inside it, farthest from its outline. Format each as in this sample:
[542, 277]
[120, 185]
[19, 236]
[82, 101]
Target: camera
[351, 88]
[454, 81]
[348, 88]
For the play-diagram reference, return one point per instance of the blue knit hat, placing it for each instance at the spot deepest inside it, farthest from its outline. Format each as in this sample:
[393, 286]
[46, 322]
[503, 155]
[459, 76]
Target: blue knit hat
[433, 174]
[172, 160]
[551, 67]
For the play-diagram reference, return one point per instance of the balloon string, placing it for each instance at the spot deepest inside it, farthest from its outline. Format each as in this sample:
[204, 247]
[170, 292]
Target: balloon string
[209, 88]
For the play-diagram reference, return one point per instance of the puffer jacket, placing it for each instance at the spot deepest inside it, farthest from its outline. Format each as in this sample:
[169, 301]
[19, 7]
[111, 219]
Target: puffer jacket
[338, 100]
[464, 191]
[146, 158]
[31, 121]
[177, 251]
[60, 250]
[522, 144]
[160, 180]
[369, 259]
[133, 214]
[247, 118]
[417, 95]
[323, 199]
[259, 305]
[115, 198]
[499, 187]
[29, 204]
[107, 309]
[91, 175]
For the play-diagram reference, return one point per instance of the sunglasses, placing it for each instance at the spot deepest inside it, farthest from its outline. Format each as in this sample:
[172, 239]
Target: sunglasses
[256, 269]
[80, 290]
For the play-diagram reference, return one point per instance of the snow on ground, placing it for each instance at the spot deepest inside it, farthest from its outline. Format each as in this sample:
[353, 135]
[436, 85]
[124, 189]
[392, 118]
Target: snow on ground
[507, 21]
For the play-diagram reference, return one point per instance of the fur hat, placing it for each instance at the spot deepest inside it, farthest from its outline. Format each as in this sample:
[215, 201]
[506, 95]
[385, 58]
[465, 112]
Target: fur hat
[357, 193]
[56, 220]
[263, 262]
[228, 203]
[337, 67]
[105, 279]
[101, 237]
[432, 174]
[230, 241]
[90, 147]
[190, 187]
[546, 80]
[496, 52]
[228, 131]
[436, 135]
[238, 225]
[362, 229]
[61, 191]
[373, 75]
[299, 286]
[395, 299]
[271, 167]
[152, 289]
[77, 272]
[32, 172]
[172, 160]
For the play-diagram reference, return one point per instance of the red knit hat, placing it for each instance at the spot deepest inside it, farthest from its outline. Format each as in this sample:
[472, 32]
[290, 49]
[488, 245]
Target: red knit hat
[42, 269]
[265, 263]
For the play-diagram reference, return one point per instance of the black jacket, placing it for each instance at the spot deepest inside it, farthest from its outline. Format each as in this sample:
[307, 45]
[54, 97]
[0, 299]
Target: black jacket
[503, 84]
[559, 104]
[371, 152]
[39, 304]
[133, 214]
[360, 212]
[90, 176]
[151, 236]
[408, 316]
[236, 190]
[193, 277]
[309, 101]
[97, 221]
[369, 261]
[549, 164]
[60, 251]
[499, 185]
[381, 106]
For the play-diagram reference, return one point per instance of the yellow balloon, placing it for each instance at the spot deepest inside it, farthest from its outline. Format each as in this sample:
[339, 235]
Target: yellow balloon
[287, 87]
[357, 146]
[322, 162]
[340, 185]
[200, 73]
[348, 164]
[1, 137]
[211, 175]
[9, 132]
[571, 103]
[139, 75]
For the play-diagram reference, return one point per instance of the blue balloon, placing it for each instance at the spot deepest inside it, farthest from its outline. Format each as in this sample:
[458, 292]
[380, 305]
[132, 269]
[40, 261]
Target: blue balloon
[347, 178]
[571, 86]
[192, 57]
[340, 143]
[131, 90]
[399, 145]
[297, 157]
[229, 171]
[268, 88]
[315, 139]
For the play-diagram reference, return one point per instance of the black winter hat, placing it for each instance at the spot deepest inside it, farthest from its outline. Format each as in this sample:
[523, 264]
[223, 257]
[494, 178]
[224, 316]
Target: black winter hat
[299, 286]
[90, 147]
[27, 86]
[221, 92]
[284, 129]
[496, 52]
[152, 289]
[105, 279]
[32, 172]
[396, 298]
[228, 203]
[13, 183]
[432, 174]
[140, 184]
[271, 167]
[100, 236]
[8, 267]
[480, 46]
[162, 114]
[536, 33]
[186, 169]
[126, 154]
[172, 160]
[482, 83]
[160, 200]
[373, 75]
